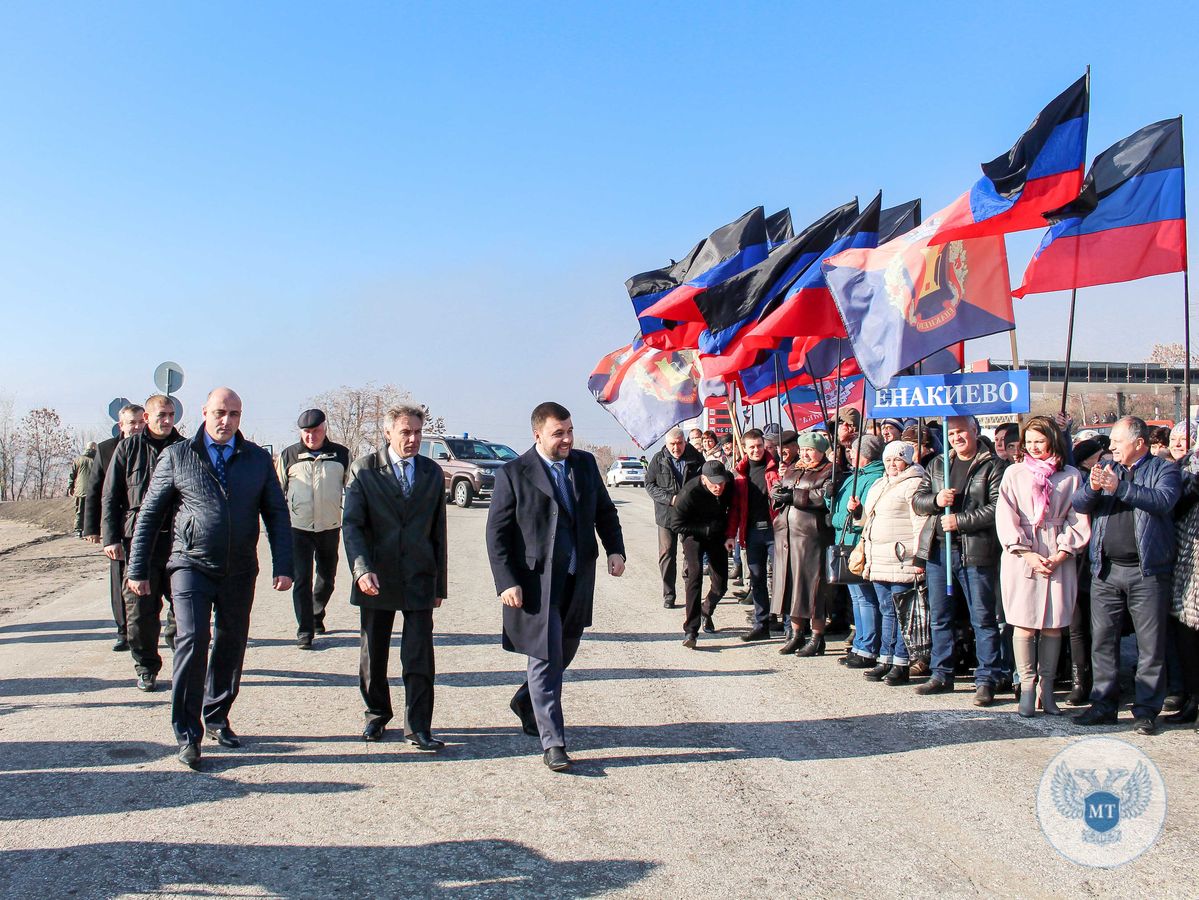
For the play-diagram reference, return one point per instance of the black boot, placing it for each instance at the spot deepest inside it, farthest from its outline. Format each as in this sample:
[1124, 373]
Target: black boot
[1185, 716]
[793, 644]
[1081, 693]
[878, 672]
[897, 675]
[814, 647]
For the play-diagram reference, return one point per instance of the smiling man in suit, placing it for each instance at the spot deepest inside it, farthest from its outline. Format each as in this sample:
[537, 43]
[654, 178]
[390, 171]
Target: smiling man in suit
[545, 512]
[394, 530]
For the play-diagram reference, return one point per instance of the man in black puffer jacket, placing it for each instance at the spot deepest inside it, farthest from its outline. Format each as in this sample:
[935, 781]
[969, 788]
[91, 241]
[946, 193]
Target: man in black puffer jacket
[216, 486]
[969, 525]
[700, 516]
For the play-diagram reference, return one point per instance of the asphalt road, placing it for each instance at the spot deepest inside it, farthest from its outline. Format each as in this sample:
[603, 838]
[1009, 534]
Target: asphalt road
[728, 771]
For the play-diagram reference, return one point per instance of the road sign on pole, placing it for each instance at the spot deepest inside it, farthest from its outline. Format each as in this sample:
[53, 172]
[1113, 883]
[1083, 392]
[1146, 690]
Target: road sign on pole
[114, 407]
[168, 377]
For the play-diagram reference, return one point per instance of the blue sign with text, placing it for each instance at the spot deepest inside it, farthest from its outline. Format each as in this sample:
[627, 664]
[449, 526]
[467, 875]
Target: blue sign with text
[968, 394]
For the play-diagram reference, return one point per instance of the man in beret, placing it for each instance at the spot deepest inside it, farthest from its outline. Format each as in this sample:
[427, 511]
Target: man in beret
[313, 475]
[700, 516]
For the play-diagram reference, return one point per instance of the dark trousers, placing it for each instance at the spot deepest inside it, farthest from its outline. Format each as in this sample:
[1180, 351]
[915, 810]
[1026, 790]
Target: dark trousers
[204, 687]
[759, 545]
[718, 562]
[416, 662]
[543, 683]
[116, 593]
[668, 547]
[143, 618]
[978, 585]
[1147, 599]
[309, 597]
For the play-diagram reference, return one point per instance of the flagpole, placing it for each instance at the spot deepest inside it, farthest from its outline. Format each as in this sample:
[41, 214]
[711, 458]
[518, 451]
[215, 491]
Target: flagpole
[1073, 292]
[1186, 298]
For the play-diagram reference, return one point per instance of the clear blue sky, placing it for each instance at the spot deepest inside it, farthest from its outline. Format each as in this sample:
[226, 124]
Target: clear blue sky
[288, 197]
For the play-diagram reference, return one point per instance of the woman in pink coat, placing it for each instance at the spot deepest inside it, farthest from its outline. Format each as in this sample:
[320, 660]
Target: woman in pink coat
[1041, 534]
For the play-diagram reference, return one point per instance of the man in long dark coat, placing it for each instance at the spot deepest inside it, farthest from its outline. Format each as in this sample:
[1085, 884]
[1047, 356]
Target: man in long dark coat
[394, 530]
[545, 512]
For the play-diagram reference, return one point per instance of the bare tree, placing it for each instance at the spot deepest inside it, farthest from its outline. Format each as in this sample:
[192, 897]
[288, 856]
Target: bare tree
[1171, 355]
[355, 414]
[604, 455]
[10, 450]
[46, 447]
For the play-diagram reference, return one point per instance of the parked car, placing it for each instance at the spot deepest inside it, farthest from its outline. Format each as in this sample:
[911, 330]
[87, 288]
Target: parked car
[503, 451]
[626, 471]
[468, 465]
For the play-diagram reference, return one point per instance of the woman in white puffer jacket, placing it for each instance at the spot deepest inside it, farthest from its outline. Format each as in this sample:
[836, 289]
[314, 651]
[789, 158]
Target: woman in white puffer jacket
[891, 534]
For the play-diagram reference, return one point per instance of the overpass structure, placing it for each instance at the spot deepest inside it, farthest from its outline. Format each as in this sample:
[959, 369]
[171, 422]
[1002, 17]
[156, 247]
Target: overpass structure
[1119, 378]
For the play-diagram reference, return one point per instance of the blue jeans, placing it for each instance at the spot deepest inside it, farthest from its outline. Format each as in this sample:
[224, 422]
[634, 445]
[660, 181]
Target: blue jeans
[978, 585]
[759, 544]
[891, 649]
[865, 600]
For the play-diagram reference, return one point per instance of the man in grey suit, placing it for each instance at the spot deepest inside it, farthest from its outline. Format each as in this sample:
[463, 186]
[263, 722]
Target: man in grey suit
[395, 537]
[546, 509]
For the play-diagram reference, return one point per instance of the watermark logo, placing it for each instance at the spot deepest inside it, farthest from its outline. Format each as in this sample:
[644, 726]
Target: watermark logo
[1102, 802]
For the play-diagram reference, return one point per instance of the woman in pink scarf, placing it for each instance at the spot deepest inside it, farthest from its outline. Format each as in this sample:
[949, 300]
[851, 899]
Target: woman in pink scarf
[1040, 533]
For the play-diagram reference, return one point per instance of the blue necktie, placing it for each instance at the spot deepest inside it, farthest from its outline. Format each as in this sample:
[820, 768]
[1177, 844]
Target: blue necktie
[559, 470]
[219, 464]
[402, 475]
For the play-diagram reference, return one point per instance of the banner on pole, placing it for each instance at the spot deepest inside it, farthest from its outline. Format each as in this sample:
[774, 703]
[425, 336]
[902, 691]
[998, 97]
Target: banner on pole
[969, 394]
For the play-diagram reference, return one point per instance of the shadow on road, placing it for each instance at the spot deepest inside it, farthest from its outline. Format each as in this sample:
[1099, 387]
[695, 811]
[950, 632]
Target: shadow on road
[471, 868]
[288, 678]
[73, 625]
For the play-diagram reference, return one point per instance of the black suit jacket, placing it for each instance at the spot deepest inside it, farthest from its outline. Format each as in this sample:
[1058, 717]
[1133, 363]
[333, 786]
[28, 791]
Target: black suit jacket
[521, 528]
[402, 540]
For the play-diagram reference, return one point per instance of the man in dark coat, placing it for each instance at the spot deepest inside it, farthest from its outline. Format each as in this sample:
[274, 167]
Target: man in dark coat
[394, 530]
[131, 421]
[701, 517]
[545, 512]
[672, 467]
[216, 487]
[125, 486]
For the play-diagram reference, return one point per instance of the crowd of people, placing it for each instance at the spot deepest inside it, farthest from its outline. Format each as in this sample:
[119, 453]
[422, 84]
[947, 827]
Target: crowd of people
[1022, 559]
[943, 553]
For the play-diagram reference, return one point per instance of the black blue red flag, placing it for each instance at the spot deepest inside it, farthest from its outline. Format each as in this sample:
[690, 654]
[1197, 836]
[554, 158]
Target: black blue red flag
[1042, 171]
[1128, 222]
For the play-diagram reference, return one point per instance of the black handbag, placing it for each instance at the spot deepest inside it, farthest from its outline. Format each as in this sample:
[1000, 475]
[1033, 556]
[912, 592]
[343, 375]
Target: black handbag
[836, 564]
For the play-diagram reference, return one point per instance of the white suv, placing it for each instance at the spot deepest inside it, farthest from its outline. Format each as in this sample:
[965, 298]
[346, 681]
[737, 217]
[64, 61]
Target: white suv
[626, 471]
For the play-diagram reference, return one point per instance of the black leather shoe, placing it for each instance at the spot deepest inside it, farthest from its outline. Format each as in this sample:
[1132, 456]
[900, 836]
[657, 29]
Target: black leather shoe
[1095, 716]
[1080, 695]
[524, 712]
[304, 642]
[814, 647]
[757, 634]
[1185, 716]
[793, 644]
[556, 759]
[225, 736]
[189, 755]
[1144, 725]
[424, 741]
[319, 627]
[120, 646]
[669, 603]
[897, 675]
[373, 730]
[1003, 685]
[146, 682]
[1173, 703]
[878, 673]
[689, 641]
[859, 662]
[984, 695]
[935, 686]
[709, 625]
